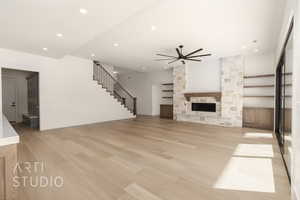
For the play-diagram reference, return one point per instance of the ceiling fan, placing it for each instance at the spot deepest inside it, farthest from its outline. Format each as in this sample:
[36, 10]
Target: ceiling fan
[180, 56]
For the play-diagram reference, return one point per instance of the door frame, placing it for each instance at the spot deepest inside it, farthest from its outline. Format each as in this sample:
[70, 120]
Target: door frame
[16, 94]
[39, 88]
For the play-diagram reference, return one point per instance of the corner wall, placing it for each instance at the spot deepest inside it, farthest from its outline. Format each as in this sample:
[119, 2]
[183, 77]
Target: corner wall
[68, 94]
[146, 86]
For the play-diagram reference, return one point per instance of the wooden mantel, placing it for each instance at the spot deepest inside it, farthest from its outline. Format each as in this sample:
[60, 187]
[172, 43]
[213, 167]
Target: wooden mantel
[216, 95]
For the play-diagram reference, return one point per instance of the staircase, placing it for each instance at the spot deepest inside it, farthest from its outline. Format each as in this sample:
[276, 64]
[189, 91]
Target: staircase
[113, 87]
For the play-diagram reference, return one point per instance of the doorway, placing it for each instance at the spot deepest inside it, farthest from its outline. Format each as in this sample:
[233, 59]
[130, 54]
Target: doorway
[20, 97]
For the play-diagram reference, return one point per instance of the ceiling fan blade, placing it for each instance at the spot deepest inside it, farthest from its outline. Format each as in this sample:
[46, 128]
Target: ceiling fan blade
[166, 56]
[193, 59]
[178, 52]
[193, 52]
[199, 55]
[174, 61]
[164, 59]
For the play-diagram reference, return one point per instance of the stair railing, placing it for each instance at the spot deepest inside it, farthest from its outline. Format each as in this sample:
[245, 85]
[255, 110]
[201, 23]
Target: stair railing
[107, 81]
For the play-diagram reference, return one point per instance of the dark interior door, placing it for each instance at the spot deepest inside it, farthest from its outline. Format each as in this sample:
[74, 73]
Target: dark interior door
[33, 94]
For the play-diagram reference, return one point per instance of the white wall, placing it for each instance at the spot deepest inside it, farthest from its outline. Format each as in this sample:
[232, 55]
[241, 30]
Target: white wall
[68, 94]
[156, 99]
[146, 86]
[204, 76]
[289, 12]
[138, 85]
[21, 91]
[256, 64]
[1, 120]
[296, 104]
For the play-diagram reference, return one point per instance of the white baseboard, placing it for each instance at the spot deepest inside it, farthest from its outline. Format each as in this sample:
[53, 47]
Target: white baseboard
[295, 194]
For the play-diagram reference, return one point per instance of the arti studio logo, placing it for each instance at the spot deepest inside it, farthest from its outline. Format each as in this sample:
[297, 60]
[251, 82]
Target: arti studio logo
[31, 174]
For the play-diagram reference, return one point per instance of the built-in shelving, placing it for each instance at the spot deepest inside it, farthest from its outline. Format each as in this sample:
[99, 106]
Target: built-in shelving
[264, 86]
[167, 89]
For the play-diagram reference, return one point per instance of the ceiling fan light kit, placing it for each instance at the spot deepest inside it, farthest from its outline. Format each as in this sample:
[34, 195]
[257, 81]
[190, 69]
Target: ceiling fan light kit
[181, 57]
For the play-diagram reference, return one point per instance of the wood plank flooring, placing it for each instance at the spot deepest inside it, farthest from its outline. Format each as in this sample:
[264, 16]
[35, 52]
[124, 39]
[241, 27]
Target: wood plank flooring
[153, 159]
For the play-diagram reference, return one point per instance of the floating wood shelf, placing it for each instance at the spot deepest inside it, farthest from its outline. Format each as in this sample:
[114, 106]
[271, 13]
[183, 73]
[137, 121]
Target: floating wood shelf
[258, 96]
[256, 107]
[168, 84]
[258, 86]
[167, 97]
[168, 90]
[263, 86]
[288, 85]
[260, 76]
[216, 95]
[266, 75]
[263, 96]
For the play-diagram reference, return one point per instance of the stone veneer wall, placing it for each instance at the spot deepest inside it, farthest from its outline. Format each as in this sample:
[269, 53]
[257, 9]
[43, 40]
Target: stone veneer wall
[228, 111]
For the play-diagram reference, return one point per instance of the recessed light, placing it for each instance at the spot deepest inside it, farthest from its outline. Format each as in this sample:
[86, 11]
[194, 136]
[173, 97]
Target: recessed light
[59, 34]
[153, 28]
[116, 44]
[244, 47]
[115, 72]
[83, 11]
[256, 50]
[93, 55]
[45, 49]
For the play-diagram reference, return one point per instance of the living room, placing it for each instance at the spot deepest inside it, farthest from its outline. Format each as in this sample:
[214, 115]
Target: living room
[149, 99]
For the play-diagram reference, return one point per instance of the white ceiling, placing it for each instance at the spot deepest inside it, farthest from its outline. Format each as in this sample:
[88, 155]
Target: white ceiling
[221, 27]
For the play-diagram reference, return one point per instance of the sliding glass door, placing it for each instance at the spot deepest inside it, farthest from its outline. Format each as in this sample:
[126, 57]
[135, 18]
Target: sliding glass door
[284, 74]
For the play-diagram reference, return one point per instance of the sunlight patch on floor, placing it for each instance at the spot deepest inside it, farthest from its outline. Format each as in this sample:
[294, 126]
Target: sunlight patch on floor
[247, 174]
[254, 150]
[258, 135]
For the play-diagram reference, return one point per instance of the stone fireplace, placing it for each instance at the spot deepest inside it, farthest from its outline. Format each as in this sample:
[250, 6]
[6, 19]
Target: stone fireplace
[228, 110]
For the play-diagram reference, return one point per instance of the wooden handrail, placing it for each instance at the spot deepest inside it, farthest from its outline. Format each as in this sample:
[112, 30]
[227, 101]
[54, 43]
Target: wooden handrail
[112, 85]
[98, 64]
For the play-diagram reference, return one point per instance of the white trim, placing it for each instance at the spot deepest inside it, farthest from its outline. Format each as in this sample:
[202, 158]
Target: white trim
[295, 194]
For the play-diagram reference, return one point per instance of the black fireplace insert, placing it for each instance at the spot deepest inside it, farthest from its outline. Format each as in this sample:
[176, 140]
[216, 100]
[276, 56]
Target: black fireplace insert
[205, 107]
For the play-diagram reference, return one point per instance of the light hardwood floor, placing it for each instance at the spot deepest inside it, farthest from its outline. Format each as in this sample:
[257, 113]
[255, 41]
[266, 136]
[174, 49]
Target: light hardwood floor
[153, 159]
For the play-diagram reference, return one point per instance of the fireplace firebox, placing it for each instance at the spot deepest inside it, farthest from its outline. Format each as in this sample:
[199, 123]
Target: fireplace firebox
[204, 107]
